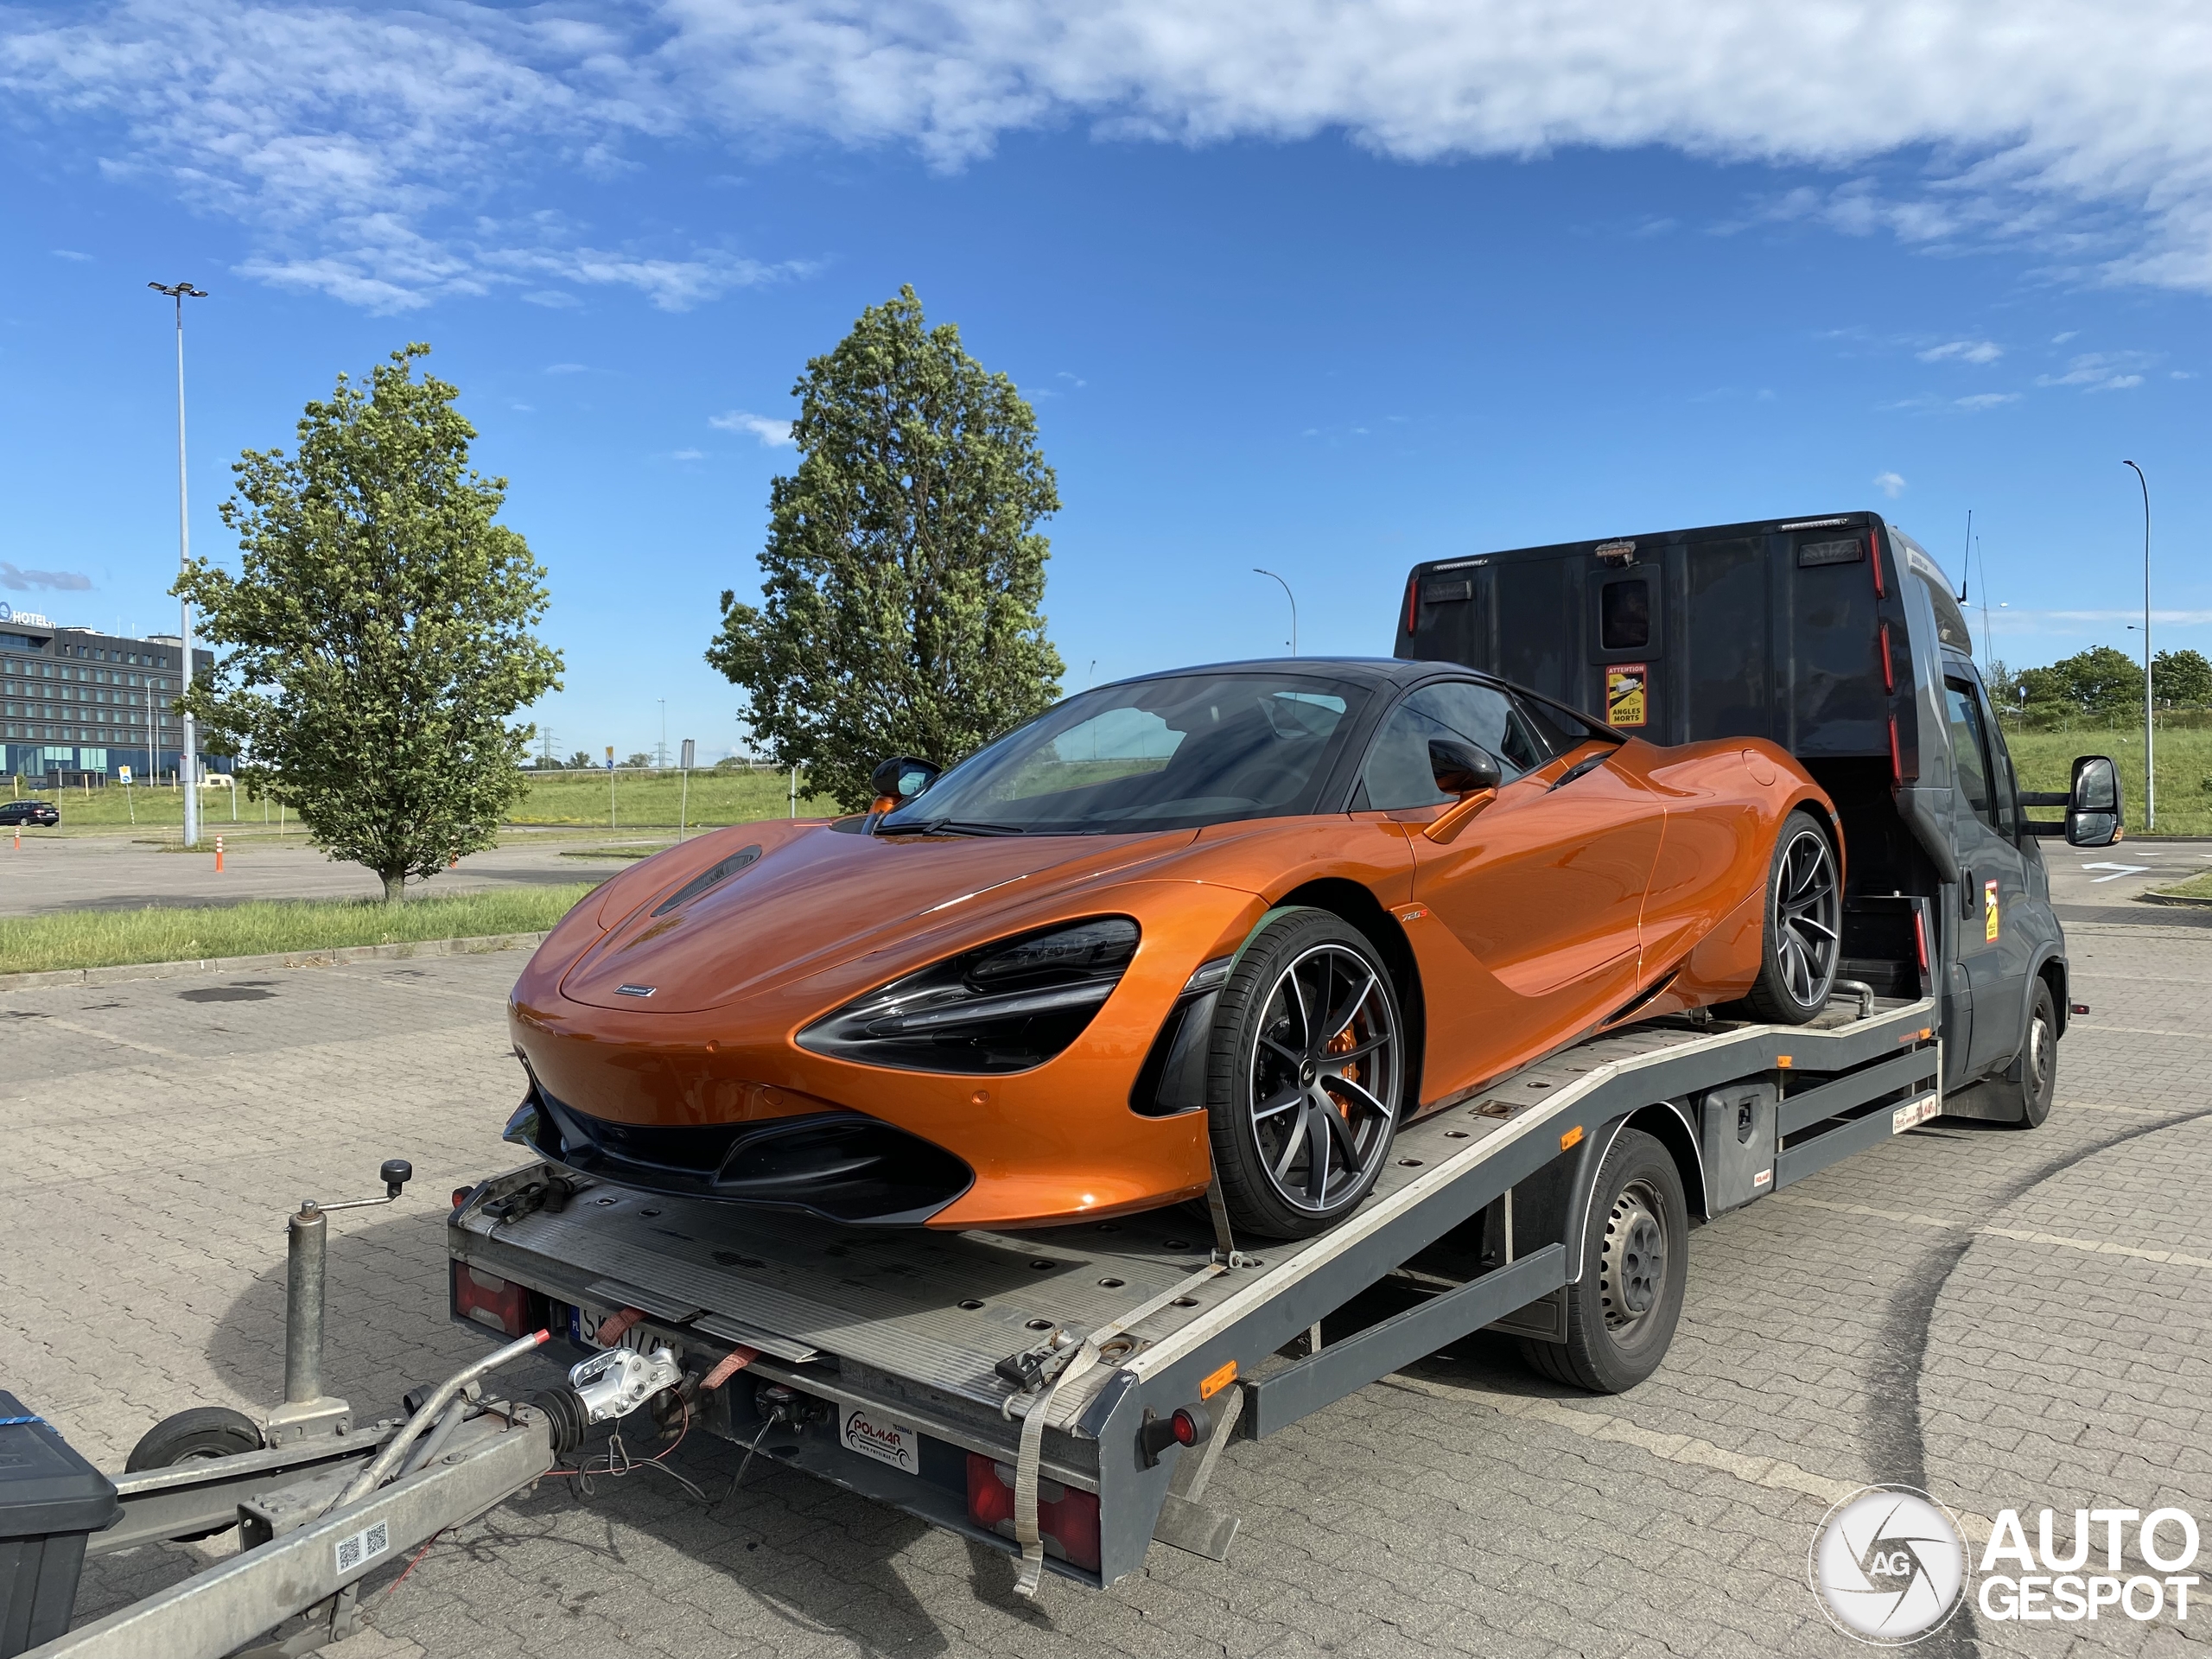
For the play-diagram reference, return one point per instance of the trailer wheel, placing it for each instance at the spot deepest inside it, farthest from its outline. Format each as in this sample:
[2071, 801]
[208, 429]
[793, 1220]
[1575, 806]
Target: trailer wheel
[1621, 1313]
[192, 1436]
[2032, 1079]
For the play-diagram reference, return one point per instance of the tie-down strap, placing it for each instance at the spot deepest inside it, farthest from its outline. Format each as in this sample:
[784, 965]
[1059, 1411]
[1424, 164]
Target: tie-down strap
[1077, 1363]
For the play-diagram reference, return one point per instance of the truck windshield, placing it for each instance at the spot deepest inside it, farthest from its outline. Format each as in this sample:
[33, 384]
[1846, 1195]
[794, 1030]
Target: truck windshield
[1173, 753]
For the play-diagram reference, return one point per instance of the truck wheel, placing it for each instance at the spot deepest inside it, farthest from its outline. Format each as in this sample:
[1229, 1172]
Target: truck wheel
[2032, 1079]
[192, 1436]
[1621, 1313]
[1802, 944]
[1304, 1075]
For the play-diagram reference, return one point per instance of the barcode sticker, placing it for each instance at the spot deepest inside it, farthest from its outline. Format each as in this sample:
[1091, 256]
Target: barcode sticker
[356, 1550]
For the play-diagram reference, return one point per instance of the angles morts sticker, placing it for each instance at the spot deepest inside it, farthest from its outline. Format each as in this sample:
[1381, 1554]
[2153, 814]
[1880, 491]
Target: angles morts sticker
[1626, 686]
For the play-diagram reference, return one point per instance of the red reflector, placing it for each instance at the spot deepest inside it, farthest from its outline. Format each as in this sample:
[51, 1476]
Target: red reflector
[461, 1196]
[1920, 938]
[486, 1300]
[1413, 600]
[1874, 548]
[1889, 670]
[1185, 1428]
[1897, 760]
[2081, 1007]
[1067, 1518]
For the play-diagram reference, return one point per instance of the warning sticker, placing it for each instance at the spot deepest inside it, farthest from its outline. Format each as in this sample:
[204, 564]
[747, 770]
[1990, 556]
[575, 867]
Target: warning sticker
[1625, 685]
[1989, 910]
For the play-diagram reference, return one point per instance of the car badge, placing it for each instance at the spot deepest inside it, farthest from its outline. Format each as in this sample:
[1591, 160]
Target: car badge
[635, 990]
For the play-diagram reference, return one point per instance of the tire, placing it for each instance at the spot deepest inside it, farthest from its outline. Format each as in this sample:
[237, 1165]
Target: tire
[1281, 1077]
[192, 1436]
[2031, 1080]
[1801, 942]
[1621, 1313]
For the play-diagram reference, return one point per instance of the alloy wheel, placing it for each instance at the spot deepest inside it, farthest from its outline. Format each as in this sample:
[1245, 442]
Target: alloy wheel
[1325, 1077]
[1808, 917]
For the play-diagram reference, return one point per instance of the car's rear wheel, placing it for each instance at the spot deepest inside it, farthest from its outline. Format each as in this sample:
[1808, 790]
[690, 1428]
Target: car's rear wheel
[1306, 1075]
[1802, 944]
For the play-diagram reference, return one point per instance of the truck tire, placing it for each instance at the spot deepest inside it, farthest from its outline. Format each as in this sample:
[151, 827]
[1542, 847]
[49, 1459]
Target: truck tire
[1307, 1061]
[1801, 944]
[1621, 1313]
[190, 1436]
[2032, 1079]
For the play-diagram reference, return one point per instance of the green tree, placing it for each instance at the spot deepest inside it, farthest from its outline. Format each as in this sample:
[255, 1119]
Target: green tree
[581, 760]
[378, 630]
[2100, 681]
[2183, 678]
[904, 568]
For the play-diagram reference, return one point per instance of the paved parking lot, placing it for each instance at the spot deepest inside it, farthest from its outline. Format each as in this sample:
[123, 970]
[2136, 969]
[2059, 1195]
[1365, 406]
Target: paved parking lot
[2009, 1319]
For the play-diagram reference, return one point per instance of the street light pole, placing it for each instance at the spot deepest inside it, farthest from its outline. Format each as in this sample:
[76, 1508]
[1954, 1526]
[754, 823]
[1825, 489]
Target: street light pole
[188, 766]
[2150, 775]
[1294, 606]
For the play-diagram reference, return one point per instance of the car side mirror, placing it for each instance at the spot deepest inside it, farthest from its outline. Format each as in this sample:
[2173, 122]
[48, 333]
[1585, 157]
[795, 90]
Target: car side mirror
[1461, 768]
[2093, 803]
[1467, 770]
[899, 780]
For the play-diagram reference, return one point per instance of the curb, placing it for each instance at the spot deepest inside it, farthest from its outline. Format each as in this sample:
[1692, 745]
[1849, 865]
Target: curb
[479, 945]
[2183, 900]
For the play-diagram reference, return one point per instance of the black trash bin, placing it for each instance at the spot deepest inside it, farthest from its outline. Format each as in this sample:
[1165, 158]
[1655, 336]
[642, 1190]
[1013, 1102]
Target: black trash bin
[51, 1500]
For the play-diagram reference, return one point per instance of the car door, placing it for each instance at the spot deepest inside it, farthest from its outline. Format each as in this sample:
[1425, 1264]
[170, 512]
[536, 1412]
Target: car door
[1538, 898]
[1992, 875]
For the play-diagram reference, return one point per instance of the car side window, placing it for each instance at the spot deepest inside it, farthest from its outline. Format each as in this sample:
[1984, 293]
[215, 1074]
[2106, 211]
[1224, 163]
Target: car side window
[1398, 775]
[1970, 753]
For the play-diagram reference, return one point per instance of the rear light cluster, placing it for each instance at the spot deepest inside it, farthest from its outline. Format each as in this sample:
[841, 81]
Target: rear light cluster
[496, 1304]
[1067, 1518]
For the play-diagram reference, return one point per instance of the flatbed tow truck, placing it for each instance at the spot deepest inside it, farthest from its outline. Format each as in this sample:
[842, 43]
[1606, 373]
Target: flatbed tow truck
[1066, 1394]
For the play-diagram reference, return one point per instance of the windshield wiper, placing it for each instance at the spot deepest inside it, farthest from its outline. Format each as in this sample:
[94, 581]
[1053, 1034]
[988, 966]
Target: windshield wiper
[957, 827]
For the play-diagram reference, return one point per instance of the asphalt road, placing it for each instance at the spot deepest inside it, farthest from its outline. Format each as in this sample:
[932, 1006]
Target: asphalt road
[2007, 1318]
[56, 873]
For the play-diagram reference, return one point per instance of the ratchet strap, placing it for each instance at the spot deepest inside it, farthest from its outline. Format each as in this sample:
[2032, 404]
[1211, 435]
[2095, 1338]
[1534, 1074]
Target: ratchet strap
[1073, 1362]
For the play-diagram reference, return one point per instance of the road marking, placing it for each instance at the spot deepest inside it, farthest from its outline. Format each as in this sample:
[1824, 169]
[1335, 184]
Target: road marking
[60, 1024]
[2118, 870]
[2141, 1031]
[2025, 1235]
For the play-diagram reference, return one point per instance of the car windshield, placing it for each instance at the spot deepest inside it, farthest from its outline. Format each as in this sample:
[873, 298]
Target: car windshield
[1174, 754]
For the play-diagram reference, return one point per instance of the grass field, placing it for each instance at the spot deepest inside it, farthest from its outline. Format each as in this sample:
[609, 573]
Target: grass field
[2197, 887]
[100, 939]
[2045, 761]
[642, 801]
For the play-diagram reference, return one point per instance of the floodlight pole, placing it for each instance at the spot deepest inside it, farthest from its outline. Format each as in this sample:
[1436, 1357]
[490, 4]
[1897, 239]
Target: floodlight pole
[1294, 606]
[2150, 775]
[187, 767]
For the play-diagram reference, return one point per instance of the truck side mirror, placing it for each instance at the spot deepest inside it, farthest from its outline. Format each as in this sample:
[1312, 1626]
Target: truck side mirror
[2093, 805]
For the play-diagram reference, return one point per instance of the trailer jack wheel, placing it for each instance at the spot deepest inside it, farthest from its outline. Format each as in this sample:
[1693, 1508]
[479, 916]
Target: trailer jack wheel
[189, 1437]
[1621, 1313]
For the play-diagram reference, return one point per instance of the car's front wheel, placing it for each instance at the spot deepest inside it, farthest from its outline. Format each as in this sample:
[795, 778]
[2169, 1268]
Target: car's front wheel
[1306, 1075]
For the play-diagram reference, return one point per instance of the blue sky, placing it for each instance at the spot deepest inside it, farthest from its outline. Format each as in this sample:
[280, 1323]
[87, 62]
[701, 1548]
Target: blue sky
[1327, 304]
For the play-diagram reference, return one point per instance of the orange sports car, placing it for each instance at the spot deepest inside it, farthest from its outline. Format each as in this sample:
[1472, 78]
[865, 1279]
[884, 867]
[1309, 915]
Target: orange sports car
[1244, 920]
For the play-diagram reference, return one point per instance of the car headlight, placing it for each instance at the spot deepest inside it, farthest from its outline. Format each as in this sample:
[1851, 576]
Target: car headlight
[1002, 1007]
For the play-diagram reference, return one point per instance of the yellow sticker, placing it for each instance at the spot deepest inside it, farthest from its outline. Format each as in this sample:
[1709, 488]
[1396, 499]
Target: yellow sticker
[1989, 911]
[1625, 683]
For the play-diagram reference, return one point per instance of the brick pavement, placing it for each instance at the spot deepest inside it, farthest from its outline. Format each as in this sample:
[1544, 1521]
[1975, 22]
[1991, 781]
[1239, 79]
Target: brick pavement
[2007, 1318]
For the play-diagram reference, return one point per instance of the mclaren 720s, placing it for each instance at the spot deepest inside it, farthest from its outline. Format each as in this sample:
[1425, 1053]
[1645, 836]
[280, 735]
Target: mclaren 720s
[1239, 921]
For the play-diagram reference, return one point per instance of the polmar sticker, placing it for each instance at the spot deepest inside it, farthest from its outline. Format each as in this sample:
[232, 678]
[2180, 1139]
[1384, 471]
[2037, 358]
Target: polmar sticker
[1914, 1113]
[885, 1439]
[1625, 686]
[1989, 911]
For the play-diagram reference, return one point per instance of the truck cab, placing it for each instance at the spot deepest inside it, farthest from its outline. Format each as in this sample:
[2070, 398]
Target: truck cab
[1837, 637]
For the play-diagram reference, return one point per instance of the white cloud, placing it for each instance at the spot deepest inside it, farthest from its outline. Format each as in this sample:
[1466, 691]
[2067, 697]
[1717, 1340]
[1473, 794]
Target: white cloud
[2102, 370]
[17, 580]
[71, 254]
[1964, 351]
[338, 132]
[689, 455]
[773, 433]
[1985, 400]
[1890, 484]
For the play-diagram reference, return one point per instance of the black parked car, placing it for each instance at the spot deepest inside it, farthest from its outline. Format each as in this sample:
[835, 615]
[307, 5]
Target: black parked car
[43, 812]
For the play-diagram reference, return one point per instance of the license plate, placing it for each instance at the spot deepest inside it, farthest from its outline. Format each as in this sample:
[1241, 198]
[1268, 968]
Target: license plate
[872, 1434]
[1914, 1113]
